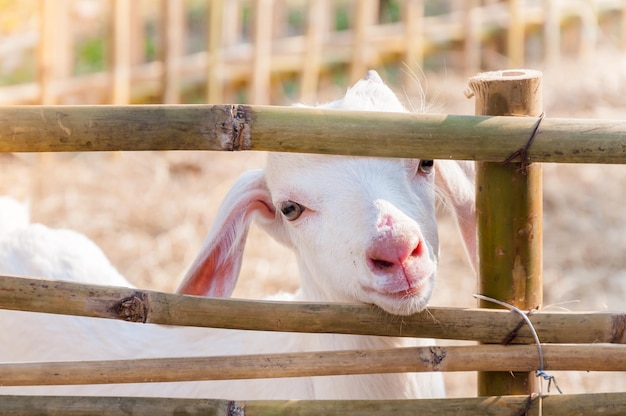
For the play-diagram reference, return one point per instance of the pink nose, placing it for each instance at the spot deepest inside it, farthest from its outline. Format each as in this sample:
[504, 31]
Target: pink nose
[388, 254]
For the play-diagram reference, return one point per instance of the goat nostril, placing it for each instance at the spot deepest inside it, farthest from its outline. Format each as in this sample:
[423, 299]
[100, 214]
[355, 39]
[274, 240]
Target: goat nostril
[382, 264]
[417, 251]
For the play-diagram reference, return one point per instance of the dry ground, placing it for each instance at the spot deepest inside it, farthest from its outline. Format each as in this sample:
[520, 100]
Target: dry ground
[150, 211]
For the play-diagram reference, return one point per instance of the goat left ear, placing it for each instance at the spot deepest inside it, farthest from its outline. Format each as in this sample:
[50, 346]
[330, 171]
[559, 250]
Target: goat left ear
[454, 181]
[216, 269]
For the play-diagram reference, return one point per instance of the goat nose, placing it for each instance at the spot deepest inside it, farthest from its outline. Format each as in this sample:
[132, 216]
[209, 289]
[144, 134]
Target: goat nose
[386, 254]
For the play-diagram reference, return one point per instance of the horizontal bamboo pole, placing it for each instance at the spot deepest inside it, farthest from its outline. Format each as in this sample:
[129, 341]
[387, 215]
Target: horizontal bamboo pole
[607, 404]
[242, 127]
[596, 357]
[136, 305]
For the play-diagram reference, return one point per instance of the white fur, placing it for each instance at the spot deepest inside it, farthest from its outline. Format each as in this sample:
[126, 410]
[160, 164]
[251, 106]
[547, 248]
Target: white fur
[367, 234]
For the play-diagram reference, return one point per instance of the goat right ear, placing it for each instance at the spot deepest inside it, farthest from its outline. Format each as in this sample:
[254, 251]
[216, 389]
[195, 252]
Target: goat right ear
[215, 270]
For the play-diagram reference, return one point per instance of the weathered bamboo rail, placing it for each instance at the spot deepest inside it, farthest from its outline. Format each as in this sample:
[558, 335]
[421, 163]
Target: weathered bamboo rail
[150, 307]
[608, 404]
[492, 358]
[269, 128]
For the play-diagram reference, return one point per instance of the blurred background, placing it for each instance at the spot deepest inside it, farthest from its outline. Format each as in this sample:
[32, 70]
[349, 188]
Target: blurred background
[150, 211]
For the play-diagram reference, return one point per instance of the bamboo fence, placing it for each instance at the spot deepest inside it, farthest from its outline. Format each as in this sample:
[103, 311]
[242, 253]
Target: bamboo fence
[570, 341]
[250, 47]
[256, 52]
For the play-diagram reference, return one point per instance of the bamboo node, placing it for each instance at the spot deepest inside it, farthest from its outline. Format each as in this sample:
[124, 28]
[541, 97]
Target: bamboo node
[241, 127]
[436, 356]
[236, 408]
[133, 308]
[619, 329]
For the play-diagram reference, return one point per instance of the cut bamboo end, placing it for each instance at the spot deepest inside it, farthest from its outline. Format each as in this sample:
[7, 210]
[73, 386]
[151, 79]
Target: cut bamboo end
[511, 92]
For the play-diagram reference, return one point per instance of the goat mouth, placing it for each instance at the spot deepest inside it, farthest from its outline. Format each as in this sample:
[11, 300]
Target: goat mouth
[418, 289]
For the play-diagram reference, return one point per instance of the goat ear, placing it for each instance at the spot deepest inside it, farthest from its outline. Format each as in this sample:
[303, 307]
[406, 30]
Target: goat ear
[215, 270]
[455, 184]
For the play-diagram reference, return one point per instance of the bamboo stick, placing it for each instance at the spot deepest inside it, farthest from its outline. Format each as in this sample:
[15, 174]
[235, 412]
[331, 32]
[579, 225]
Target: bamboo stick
[217, 127]
[262, 55]
[317, 29]
[365, 15]
[136, 305]
[509, 214]
[520, 358]
[120, 61]
[472, 40]
[413, 20]
[515, 36]
[609, 404]
[551, 32]
[172, 35]
[215, 42]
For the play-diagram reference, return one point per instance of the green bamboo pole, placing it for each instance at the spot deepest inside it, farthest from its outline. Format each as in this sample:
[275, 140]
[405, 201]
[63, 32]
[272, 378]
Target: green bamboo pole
[509, 215]
[305, 130]
[144, 306]
[607, 404]
[594, 357]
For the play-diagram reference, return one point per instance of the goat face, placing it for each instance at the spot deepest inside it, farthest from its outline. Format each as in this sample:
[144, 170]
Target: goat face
[363, 229]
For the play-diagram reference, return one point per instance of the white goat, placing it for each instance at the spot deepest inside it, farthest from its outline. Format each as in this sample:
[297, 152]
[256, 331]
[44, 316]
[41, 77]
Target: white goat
[363, 230]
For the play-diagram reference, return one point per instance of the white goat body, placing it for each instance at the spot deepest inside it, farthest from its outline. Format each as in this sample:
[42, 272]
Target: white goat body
[363, 230]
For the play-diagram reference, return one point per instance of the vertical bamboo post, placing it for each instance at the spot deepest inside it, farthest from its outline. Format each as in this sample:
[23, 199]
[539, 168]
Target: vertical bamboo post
[413, 13]
[121, 51]
[261, 65]
[509, 215]
[316, 30]
[215, 69]
[172, 29]
[366, 14]
[472, 39]
[551, 31]
[137, 35]
[515, 37]
[54, 48]
[623, 28]
[589, 30]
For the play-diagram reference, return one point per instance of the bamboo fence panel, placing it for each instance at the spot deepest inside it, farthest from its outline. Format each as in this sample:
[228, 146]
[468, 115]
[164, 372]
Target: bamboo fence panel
[367, 43]
[150, 307]
[305, 130]
[608, 404]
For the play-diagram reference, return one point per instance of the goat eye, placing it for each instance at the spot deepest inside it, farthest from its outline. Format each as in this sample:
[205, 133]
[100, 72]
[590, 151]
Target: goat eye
[426, 166]
[291, 210]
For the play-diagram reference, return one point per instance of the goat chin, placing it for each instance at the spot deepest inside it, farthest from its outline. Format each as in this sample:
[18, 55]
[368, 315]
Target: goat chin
[363, 230]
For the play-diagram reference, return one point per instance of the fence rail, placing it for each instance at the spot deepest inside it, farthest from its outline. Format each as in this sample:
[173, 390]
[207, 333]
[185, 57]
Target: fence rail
[269, 128]
[145, 306]
[610, 404]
